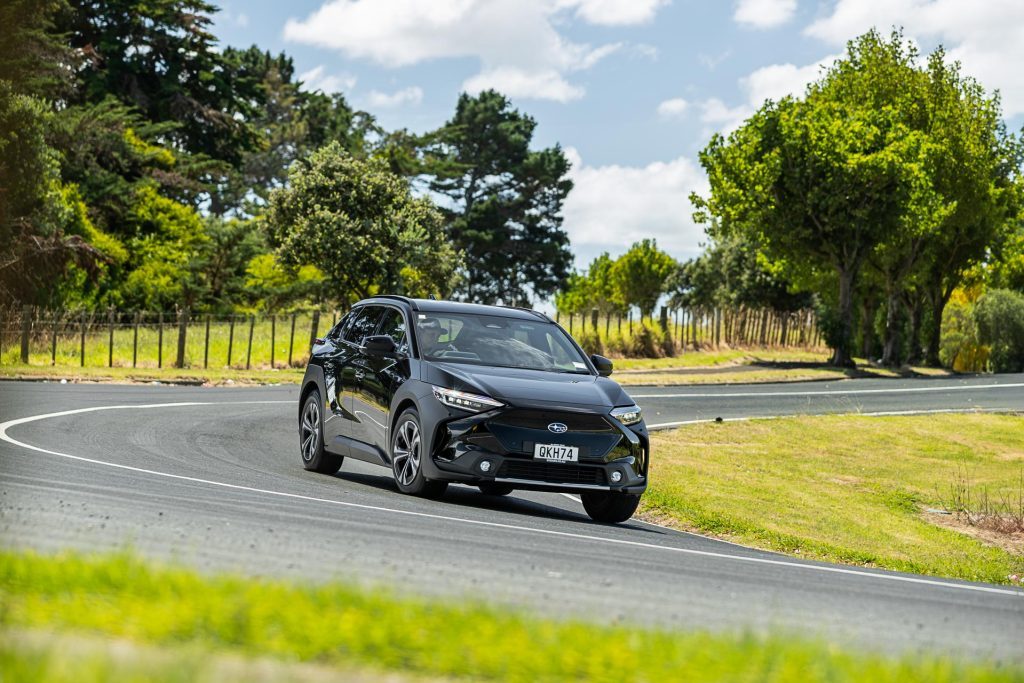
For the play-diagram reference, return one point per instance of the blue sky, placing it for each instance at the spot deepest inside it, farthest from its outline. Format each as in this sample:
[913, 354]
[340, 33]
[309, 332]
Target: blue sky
[632, 89]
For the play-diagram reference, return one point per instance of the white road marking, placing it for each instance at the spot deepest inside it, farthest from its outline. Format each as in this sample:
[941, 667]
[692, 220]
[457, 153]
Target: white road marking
[882, 413]
[837, 392]
[5, 426]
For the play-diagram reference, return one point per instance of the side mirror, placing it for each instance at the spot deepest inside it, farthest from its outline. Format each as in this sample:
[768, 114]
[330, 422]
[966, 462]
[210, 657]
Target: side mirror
[603, 365]
[379, 345]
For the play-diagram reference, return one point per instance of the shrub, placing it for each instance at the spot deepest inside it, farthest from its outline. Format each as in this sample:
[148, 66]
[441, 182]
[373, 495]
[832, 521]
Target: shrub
[999, 316]
[959, 348]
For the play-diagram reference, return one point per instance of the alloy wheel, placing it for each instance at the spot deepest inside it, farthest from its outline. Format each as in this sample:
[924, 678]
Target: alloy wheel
[407, 452]
[310, 430]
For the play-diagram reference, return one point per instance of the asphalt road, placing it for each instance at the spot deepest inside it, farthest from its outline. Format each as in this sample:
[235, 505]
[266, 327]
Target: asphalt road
[211, 477]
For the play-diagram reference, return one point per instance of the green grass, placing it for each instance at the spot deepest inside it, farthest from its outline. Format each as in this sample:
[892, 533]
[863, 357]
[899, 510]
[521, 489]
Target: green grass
[711, 358]
[747, 377]
[342, 625]
[841, 488]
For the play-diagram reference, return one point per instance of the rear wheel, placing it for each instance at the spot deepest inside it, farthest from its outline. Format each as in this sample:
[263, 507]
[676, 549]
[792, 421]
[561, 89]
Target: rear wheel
[407, 459]
[492, 489]
[610, 508]
[311, 439]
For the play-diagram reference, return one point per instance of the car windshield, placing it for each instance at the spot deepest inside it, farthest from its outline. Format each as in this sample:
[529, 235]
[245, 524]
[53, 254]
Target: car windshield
[497, 341]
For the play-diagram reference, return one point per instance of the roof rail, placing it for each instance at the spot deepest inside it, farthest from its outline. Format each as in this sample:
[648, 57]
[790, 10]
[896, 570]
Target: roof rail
[525, 309]
[396, 297]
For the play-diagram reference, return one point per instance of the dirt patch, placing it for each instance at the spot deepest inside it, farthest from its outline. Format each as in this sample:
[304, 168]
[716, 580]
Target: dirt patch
[1011, 542]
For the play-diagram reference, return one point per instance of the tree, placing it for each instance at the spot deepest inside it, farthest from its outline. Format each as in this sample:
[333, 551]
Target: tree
[975, 172]
[821, 182]
[33, 57]
[159, 57]
[505, 201]
[640, 275]
[360, 225]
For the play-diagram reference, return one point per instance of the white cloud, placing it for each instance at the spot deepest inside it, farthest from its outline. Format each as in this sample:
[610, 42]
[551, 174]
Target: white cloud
[242, 19]
[779, 80]
[413, 95]
[317, 78]
[515, 41]
[764, 13]
[722, 118]
[987, 37]
[673, 108]
[614, 12]
[610, 207]
[540, 85]
[769, 82]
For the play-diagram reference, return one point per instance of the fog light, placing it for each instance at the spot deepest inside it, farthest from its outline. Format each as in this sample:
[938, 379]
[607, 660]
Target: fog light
[485, 466]
[616, 477]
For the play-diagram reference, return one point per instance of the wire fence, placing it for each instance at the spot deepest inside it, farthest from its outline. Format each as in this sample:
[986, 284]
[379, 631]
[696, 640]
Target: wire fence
[679, 330]
[141, 339]
[137, 339]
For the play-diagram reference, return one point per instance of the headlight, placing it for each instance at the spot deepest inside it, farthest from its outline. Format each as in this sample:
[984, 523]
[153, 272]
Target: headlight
[470, 402]
[627, 415]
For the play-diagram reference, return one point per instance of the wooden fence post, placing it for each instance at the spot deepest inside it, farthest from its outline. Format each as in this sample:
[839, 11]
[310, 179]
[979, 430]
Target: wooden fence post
[313, 328]
[664, 318]
[629, 315]
[291, 341]
[179, 360]
[26, 326]
[110, 338]
[231, 337]
[273, 337]
[53, 341]
[593, 319]
[135, 338]
[570, 323]
[82, 347]
[160, 341]
[206, 344]
[248, 352]
[607, 326]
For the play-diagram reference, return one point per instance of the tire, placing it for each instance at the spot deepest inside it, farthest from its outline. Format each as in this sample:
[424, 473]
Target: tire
[407, 457]
[492, 489]
[610, 508]
[311, 439]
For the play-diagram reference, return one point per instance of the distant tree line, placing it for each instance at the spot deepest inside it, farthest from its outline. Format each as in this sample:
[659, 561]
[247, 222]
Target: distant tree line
[141, 166]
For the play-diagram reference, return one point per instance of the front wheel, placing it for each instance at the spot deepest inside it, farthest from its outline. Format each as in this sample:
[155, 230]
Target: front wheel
[610, 508]
[407, 459]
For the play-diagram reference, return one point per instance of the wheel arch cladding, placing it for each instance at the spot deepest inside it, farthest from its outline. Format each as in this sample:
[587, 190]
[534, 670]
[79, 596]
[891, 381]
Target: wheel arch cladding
[402, 406]
[308, 388]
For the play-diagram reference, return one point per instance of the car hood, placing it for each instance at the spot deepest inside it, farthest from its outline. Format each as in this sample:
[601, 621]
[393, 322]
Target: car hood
[516, 386]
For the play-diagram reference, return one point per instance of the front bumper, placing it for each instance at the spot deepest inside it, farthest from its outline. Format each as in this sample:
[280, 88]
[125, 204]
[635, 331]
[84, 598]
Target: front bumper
[497, 447]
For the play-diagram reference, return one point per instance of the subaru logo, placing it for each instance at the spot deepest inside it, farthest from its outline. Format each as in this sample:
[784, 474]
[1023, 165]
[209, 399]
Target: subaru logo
[557, 428]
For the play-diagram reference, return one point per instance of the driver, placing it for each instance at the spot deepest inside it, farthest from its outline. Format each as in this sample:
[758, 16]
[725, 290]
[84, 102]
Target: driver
[430, 332]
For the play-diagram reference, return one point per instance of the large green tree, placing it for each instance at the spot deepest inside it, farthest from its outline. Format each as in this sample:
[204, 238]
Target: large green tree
[160, 57]
[360, 225]
[504, 200]
[821, 182]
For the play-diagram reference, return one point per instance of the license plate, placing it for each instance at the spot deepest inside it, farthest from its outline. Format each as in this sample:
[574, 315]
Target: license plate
[556, 452]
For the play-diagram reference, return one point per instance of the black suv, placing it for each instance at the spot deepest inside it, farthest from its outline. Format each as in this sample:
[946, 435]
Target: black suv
[493, 397]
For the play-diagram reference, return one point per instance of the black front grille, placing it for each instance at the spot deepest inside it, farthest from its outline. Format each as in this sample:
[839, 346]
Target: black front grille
[552, 473]
[540, 419]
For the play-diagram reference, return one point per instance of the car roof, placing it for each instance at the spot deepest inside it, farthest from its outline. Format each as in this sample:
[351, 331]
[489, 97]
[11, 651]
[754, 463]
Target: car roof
[438, 306]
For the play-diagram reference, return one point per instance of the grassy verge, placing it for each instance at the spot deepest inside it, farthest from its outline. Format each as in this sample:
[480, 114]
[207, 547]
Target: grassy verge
[843, 488]
[340, 625]
[707, 359]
